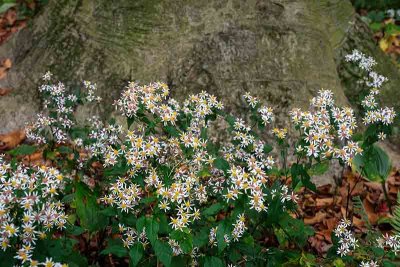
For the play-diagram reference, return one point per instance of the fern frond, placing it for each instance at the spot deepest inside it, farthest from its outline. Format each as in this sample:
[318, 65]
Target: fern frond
[395, 221]
[359, 209]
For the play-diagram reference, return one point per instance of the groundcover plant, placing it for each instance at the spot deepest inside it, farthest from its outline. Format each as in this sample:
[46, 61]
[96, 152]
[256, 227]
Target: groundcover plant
[161, 191]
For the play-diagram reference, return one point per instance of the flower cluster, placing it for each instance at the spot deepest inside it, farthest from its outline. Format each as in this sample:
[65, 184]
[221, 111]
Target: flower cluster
[323, 125]
[374, 82]
[29, 208]
[91, 89]
[176, 248]
[369, 264]
[103, 137]
[391, 242]
[60, 105]
[347, 240]
[239, 227]
[280, 133]
[130, 236]
[150, 97]
[124, 194]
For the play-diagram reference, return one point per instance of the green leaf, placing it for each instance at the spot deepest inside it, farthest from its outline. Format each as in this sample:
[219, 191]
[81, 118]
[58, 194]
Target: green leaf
[319, 168]
[221, 231]
[213, 209]
[74, 230]
[116, 248]
[200, 239]
[136, 253]
[222, 164]
[184, 239]
[22, 150]
[130, 121]
[140, 224]
[211, 261]
[109, 212]
[297, 171]
[163, 252]
[374, 164]
[65, 150]
[171, 130]
[87, 208]
[152, 228]
[267, 148]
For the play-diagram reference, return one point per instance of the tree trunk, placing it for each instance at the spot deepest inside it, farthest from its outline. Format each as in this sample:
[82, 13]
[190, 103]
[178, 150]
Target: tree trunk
[283, 51]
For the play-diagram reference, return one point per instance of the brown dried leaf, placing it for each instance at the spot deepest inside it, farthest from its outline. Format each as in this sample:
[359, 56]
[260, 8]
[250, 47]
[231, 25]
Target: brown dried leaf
[11, 140]
[322, 202]
[7, 63]
[5, 91]
[319, 217]
[370, 210]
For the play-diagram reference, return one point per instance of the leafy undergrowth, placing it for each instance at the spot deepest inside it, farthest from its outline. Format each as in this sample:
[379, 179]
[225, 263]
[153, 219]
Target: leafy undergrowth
[157, 189]
[353, 197]
[383, 17]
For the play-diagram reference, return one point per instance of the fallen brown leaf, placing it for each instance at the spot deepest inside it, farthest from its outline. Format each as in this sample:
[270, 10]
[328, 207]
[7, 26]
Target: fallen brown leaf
[11, 140]
[370, 210]
[319, 217]
[4, 91]
[321, 202]
[7, 63]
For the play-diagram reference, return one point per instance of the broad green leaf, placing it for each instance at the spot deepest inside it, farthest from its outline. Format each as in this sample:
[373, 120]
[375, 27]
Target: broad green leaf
[65, 150]
[374, 164]
[22, 150]
[87, 208]
[136, 253]
[222, 164]
[163, 252]
[152, 229]
[211, 261]
[221, 231]
[319, 168]
[200, 238]
[184, 239]
[140, 223]
[267, 148]
[115, 248]
[74, 230]
[213, 209]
